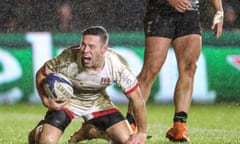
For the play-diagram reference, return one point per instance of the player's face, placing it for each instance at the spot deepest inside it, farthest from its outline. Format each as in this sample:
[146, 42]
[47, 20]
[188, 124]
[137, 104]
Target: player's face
[92, 50]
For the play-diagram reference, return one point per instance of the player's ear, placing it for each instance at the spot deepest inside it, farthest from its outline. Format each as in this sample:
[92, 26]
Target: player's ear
[105, 48]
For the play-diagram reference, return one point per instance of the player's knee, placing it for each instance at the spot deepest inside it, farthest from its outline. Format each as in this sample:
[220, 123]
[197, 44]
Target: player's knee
[44, 139]
[148, 74]
[190, 68]
[33, 136]
[123, 140]
[153, 71]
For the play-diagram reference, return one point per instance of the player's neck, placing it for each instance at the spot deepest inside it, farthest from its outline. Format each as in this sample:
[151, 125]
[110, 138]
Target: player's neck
[98, 67]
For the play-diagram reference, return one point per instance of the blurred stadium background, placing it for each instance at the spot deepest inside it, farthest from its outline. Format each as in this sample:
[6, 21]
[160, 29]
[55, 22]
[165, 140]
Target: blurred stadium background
[73, 16]
[32, 31]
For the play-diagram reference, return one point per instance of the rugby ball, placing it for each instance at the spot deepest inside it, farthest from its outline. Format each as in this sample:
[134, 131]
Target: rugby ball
[56, 85]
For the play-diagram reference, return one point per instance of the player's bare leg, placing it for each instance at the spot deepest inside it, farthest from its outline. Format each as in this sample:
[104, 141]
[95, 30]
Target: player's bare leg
[120, 132]
[154, 56]
[155, 53]
[44, 134]
[117, 133]
[32, 136]
[187, 50]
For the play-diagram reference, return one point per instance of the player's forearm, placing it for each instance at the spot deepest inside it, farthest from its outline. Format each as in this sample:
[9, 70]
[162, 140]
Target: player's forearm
[139, 110]
[217, 5]
[141, 118]
[39, 79]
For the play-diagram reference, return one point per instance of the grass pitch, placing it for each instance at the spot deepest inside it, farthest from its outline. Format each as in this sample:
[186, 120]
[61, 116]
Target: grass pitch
[207, 124]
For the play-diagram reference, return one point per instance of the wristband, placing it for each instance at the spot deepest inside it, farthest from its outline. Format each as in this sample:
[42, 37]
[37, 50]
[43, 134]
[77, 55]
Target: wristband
[218, 17]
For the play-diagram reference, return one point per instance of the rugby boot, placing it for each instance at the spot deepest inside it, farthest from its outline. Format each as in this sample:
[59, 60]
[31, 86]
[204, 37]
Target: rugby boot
[178, 133]
[87, 132]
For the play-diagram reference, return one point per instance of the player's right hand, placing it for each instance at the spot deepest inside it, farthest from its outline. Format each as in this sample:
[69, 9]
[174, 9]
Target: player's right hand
[180, 5]
[137, 138]
[55, 104]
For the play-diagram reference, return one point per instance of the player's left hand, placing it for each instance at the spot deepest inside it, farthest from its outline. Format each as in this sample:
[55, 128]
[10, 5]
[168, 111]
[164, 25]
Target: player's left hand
[218, 24]
[137, 138]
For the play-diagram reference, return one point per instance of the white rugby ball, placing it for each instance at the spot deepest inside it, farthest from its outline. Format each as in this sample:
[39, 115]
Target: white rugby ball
[56, 85]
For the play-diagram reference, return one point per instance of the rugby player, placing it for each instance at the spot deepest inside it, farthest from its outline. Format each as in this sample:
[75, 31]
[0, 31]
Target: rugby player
[91, 66]
[176, 23]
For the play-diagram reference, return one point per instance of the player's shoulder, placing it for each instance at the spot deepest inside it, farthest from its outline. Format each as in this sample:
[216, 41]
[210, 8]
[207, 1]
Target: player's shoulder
[114, 55]
[112, 52]
[71, 51]
[115, 58]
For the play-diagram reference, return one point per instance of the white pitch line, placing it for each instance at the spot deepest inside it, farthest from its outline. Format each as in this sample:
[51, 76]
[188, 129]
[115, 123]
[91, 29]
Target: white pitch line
[237, 132]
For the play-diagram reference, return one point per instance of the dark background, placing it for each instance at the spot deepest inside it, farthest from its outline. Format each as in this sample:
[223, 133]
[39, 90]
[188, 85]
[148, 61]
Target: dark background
[115, 15]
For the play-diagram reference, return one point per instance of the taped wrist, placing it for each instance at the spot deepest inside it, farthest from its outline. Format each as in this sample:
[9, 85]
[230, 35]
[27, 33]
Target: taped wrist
[218, 17]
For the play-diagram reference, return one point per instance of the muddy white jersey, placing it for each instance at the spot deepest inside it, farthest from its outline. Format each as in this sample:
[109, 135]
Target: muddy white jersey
[89, 87]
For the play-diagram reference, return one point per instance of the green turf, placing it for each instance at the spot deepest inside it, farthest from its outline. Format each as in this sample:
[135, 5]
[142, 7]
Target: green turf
[207, 124]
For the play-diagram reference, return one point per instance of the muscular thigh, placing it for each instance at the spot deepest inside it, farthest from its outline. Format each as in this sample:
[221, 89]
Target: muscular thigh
[155, 52]
[120, 132]
[50, 132]
[187, 41]
[187, 49]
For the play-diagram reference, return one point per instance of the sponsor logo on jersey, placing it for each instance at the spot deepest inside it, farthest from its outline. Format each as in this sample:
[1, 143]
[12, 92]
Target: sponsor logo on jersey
[105, 81]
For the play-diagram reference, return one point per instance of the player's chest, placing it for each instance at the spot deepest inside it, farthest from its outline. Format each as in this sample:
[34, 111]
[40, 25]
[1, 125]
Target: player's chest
[85, 80]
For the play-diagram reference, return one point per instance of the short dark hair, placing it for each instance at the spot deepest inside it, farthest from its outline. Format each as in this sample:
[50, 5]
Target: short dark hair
[97, 30]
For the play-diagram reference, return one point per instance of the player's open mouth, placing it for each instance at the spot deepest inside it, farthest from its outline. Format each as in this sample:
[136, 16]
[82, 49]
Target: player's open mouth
[86, 59]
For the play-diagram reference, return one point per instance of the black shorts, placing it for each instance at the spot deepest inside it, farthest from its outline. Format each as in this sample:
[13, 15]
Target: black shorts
[172, 24]
[61, 119]
[58, 118]
[106, 121]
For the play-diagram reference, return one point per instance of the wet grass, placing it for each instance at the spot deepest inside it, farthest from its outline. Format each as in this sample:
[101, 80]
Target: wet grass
[207, 124]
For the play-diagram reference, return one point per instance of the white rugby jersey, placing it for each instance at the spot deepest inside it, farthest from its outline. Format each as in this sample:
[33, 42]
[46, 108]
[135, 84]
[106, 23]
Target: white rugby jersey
[89, 87]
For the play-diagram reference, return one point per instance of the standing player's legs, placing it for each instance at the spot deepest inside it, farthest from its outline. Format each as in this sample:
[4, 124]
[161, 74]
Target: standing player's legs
[187, 46]
[159, 31]
[187, 50]
[155, 53]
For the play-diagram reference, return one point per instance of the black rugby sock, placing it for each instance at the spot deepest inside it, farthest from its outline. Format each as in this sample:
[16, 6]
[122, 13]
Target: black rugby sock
[130, 118]
[180, 116]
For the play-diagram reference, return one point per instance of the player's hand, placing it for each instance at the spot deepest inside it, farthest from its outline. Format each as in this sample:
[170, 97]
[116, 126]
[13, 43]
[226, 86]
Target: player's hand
[137, 138]
[180, 5]
[217, 23]
[56, 104]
